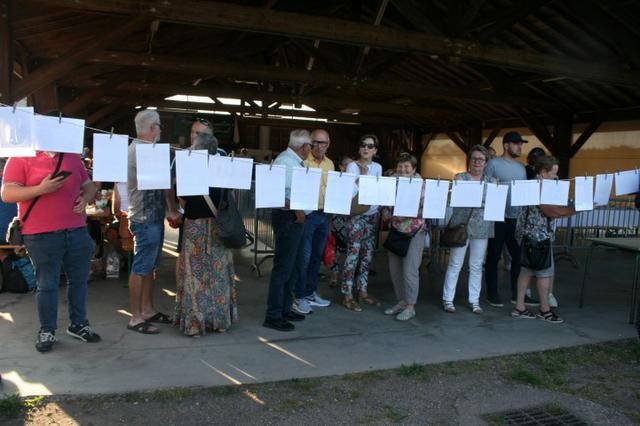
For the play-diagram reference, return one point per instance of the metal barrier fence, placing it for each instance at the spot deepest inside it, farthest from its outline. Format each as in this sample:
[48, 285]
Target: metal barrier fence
[258, 225]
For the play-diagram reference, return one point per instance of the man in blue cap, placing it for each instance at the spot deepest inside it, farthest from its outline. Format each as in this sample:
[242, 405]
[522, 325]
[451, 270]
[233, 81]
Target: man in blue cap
[505, 169]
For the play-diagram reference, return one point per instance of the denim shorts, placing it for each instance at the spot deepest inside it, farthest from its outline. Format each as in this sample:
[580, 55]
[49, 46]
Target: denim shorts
[147, 246]
[543, 273]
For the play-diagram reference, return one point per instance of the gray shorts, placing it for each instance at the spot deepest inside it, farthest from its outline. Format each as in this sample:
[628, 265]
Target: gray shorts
[543, 273]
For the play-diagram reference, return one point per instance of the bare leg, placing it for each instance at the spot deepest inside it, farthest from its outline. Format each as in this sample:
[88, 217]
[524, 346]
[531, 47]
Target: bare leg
[523, 283]
[147, 296]
[543, 293]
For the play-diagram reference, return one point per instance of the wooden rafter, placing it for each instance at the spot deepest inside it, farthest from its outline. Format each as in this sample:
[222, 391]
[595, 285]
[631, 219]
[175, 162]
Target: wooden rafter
[492, 135]
[47, 74]
[82, 101]
[539, 130]
[457, 140]
[6, 52]
[490, 25]
[231, 16]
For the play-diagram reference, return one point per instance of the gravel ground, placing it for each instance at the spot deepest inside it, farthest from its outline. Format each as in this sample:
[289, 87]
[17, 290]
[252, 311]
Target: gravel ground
[600, 384]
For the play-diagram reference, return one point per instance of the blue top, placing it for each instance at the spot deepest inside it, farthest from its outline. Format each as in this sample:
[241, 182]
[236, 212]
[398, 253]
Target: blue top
[290, 159]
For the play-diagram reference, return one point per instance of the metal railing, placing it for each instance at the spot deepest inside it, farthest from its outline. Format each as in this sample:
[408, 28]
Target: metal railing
[258, 225]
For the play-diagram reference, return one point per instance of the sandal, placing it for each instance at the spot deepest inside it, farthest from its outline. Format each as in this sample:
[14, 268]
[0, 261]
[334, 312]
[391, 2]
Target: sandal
[448, 307]
[351, 304]
[143, 328]
[406, 315]
[394, 310]
[476, 309]
[159, 318]
[525, 313]
[364, 297]
[549, 316]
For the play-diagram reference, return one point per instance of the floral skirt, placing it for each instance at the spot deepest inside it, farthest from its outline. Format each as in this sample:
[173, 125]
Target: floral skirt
[206, 297]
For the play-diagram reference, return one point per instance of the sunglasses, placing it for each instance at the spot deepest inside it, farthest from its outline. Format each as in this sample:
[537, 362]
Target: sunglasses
[203, 121]
[368, 145]
[319, 142]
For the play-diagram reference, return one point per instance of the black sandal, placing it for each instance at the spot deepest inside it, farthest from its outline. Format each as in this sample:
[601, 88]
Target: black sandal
[159, 318]
[143, 328]
[550, 316]
[525, 313]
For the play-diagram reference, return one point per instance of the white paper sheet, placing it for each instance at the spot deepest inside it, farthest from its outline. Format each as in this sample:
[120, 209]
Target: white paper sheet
[110, 157]
[55, 135]
[554, 192]
[466, 193]
[305, 188]
[124, 196]
[270, 181]
[337, 198]
[627, 182]
[525, 193]
[496, 202]
[436, 193]
[377, 190]
[191, 166]
[227, 172]
[408, 197]
[583, 192]
[604, 183]
[152, 163]
[17, 132]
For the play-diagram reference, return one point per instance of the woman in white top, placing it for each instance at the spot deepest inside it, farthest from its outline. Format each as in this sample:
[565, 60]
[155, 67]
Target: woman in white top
[361, 231]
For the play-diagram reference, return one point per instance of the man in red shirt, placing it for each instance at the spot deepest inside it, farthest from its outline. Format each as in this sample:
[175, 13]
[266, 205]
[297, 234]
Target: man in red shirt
[55, 235]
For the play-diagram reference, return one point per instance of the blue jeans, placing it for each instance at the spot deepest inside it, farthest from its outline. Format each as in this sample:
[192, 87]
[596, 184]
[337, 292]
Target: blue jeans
[288, 236]
[72, 249]
[147, 246]
[316, 229]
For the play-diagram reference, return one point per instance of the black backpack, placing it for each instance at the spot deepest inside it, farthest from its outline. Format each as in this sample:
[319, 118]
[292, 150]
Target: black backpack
[12, 279]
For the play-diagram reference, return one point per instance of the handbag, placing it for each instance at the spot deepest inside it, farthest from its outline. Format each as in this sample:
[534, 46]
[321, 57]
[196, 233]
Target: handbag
[398, 242]
[14, 235]
[357, 209]
[455, 236]
[535, 255]
[230, 226]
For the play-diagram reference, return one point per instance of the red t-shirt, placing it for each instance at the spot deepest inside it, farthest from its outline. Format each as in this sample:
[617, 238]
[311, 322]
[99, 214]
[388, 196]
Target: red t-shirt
[53, 211]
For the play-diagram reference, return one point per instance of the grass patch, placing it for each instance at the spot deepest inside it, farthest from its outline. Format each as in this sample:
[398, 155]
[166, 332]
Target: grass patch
[305, 385]
[13, 405]
[161, 395]
[413, 370]
[523, 375]
[369, 376]
[393, 414]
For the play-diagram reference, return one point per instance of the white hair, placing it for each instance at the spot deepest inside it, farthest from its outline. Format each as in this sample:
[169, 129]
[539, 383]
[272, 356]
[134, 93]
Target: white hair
[145, 118]
[299, 137]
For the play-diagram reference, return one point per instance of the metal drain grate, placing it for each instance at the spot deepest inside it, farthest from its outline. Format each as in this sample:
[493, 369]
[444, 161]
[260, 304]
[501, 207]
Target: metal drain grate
[546, 415]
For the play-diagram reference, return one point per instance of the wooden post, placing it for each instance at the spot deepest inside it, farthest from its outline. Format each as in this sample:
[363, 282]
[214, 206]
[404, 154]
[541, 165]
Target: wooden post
[474, 135]
[564, 139]
[6, 53]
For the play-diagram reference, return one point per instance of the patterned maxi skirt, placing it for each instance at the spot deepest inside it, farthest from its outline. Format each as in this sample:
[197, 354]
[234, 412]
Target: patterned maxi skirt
[206, 296]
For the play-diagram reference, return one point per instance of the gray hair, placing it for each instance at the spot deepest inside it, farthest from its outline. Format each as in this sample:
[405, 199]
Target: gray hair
[299, 137]
[206, 141]
[145, 118]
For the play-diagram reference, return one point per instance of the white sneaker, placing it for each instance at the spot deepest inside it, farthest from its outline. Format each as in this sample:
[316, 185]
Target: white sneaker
[553, 302]
[301, 306]
[528, 292]
[316, 300]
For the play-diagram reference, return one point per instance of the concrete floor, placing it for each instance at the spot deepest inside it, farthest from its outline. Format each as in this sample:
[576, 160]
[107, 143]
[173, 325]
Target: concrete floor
[331, 341]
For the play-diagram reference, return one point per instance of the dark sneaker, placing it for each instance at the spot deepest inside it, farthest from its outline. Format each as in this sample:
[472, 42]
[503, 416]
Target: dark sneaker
[83, 332]
[292, 316]
[526, 314]
[278, 324]
[495, 301]
[549, 316]
[45, 341]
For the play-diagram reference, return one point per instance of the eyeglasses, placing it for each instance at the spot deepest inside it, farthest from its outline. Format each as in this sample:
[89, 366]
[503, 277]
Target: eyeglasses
[368, 145]
[478, 159]
[203, 121]
[319, 142]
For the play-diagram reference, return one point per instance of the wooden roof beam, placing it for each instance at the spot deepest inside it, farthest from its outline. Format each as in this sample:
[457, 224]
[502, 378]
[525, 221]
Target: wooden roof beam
[539, 130]
[584, 137]
[245, 18]
[6, 52]
[242, 71]
[76, 56]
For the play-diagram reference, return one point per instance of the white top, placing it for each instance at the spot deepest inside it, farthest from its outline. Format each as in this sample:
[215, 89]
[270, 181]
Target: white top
[373, 169]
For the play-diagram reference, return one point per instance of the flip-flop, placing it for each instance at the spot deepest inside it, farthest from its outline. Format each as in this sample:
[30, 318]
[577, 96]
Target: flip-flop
[160, 318]
[143, 328]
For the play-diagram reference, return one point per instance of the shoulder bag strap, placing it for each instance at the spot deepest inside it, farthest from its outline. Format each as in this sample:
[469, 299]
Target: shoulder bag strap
[33, 203]
[213, 209]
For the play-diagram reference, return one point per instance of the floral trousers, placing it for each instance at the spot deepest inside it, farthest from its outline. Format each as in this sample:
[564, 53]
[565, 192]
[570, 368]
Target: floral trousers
[361, 231]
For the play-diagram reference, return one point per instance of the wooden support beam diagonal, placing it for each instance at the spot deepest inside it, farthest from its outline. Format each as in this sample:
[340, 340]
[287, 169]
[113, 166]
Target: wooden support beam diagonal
[539, 130]
[492, 135]
[246, 18]
[76, 56]
[6, 52]
[457, 140]
[82, 101]
[102, 113]
[584, 137]
[489, 26]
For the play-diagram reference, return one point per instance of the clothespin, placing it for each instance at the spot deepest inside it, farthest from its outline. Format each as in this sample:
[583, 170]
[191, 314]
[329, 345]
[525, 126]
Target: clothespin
[111, 134]
[271, 165]
[410, 179]
[438, 181]
[190, 149]
[307, 170]
[233, 154]
[377, 178]
[59, 118]
[606, 173]
[340, 174]
[513, 182]
[15, 105]
[557, 180]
